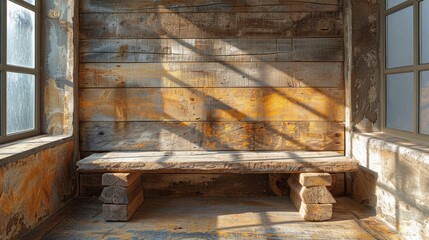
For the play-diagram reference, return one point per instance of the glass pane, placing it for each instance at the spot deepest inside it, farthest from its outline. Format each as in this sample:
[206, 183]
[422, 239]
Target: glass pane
[399, 38]
[424, 102]
[20, 102]
[20, 36]
[31, 1]
[392, 3]
[424, 31]
[400, 101]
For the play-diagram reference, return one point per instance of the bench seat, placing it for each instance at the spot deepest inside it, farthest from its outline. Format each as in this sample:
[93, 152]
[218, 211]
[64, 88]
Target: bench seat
[310, 175]
[218, 162]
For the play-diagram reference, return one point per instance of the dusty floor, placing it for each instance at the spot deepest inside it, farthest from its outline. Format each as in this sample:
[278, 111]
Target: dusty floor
[212, 218]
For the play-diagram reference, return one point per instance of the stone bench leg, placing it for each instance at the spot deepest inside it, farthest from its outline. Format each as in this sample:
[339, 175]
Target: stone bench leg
[310, 196]
[122, 195]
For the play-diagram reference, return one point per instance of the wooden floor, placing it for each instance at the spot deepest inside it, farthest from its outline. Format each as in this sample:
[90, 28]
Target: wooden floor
[212, 218]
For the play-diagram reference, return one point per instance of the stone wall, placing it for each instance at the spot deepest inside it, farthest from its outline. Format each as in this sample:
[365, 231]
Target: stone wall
[394, 179]
[393, 176]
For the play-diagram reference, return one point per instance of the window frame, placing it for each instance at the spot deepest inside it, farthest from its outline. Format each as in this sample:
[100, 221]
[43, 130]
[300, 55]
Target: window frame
[415, 69]
[4, 68]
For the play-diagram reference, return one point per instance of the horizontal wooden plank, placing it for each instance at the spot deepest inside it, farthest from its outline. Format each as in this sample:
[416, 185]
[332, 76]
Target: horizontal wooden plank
[169, 136]
[224, 162]
[210, 25]
[208, 75]
[185, 50]
[211, 104]
[321, 49]
[211, 50]
[208, 6]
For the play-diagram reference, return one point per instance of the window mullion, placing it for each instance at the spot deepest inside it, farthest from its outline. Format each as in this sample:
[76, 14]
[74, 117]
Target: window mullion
[38, 84]
[19, 69]
[416, 63]
[3, 73]
[26, 5]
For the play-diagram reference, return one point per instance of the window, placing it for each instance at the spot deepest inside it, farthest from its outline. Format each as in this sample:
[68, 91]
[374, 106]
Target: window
[405, 68]
[19, 69]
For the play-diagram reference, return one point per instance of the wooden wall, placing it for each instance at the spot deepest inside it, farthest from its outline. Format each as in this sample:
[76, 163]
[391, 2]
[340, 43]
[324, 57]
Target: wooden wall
[211, 75]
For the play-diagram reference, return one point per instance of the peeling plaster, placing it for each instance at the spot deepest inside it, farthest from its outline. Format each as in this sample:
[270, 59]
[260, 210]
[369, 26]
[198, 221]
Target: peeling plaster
[365, 72]
[59, 67]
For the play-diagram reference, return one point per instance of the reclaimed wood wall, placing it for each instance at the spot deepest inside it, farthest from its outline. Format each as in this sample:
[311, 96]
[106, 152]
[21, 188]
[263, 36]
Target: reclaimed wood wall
[211, 75]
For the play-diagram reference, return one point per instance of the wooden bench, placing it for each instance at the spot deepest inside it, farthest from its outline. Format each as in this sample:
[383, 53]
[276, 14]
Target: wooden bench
[123, 194]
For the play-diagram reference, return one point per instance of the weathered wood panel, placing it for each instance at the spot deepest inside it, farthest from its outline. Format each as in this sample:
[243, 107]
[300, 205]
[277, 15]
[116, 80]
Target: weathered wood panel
[214, 75]
[168, 136]
[185, 50]
[324, 49]
[208, 6]
[220, 75]
[213, 104]
[211, 25]
[211, 50]
[206, 185]
[312, 136]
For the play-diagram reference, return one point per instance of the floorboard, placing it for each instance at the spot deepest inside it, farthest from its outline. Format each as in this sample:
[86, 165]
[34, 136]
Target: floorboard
[215, 218]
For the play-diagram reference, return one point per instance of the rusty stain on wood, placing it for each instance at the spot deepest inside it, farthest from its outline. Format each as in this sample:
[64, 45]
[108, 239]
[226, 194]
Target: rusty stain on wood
[214, 104]
[210, 75]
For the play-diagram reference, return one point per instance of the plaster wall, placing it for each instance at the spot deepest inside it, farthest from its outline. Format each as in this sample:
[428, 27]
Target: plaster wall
[34, 187]
[36, 184]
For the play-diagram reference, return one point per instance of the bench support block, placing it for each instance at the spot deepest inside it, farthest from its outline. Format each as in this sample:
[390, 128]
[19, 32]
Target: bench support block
[313, 201]
[122, 196]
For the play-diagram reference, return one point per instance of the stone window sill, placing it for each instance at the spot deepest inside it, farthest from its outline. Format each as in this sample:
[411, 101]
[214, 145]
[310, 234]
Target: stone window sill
[410, 150]
[20, 149]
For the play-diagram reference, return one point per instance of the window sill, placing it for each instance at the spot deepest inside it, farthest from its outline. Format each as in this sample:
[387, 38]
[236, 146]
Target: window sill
[410, 150]
[20, 149]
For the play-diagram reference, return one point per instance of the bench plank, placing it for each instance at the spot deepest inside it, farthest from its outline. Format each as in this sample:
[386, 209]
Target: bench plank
[218, 162]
